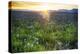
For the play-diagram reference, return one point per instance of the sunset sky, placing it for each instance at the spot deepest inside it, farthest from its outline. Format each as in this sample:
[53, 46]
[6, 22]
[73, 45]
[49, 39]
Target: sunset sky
[39, 6]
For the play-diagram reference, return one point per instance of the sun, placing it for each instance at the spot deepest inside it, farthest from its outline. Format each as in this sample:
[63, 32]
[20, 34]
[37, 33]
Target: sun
[45, 6]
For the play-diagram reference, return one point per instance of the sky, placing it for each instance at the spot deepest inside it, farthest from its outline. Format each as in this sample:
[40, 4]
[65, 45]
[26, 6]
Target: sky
[39, 6]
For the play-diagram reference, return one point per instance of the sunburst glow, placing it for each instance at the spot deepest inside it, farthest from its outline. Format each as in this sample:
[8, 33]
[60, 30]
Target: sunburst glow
[44, 11]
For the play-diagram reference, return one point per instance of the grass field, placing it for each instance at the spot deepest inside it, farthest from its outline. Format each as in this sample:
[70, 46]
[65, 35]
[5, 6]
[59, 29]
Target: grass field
[35, 34]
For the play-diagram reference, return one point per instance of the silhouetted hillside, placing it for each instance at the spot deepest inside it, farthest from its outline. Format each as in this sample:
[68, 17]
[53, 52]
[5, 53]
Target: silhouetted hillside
[61, 15]
[64, 16]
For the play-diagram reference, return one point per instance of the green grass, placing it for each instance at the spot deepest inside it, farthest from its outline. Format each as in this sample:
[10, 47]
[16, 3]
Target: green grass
[28, 35]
